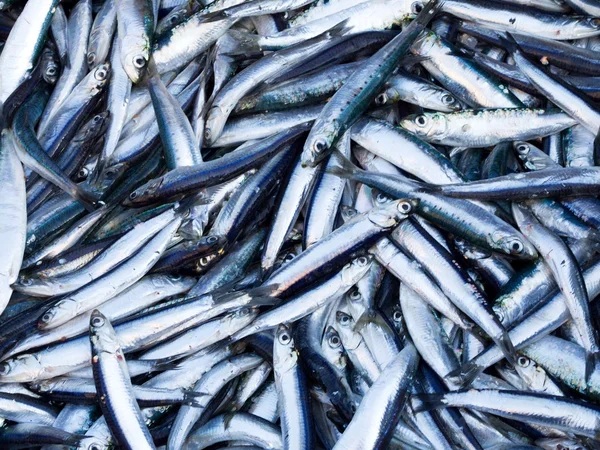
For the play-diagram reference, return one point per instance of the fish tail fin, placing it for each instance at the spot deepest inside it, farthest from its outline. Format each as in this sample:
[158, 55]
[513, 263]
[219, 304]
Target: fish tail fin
[341, 166]
[248, 42]
[464, 375]
[509, 42]
[429, 11]
[427, 402]
[162, 365]
[591, 361]
[87, 200]
[194, 398]
[507, 348]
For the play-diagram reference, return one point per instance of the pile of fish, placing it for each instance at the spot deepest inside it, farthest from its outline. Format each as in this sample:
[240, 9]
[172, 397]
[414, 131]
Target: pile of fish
[300, 224]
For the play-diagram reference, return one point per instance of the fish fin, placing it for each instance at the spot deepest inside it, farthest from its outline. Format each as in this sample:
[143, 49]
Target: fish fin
[412, 60]
[597, 149]
[591, 361]
[429, 11]
[456, 151]
[248, 43]
[339, 29]
[427, 402]
[259, 295]
[465, 374]
[162, 365]
[87, 200]
[342, 166]
[507, 348]
[194, 398]
[184, 205]
[509, 42]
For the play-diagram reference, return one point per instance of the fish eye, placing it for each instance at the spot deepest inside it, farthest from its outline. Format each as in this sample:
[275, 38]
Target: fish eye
[83, 173]
[421, 121]
[355, 295]
[101, 74]
[91, 57]
[523, 362]
[139, 61]
[447, 99]
[110, 173]
[362, 261]
[381, 198]
[47, 317]
[204, 261]
[320, 145]
[212, 239]
[289, 257]
[397, 316]
[244, 311]
[94, 447]
[26, 281]
[174, 18]
[595, 23]
[344, 319]
[284, 338]
[522, 148]
[404, 207]
[97, 321]
[516, 247]
[133, 195]
[4, 369]
[334, 341]
[499, 313]
[381, 99]
[416, 7]
[50, 71]
[97, 118]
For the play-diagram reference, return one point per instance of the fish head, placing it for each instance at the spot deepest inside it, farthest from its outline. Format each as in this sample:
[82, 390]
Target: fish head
[318, 145]
[513, 244]
[345, 327]
[135, 54]
[285, 356]
[356, 303]
[100, 76]
[61, 312]
[92, 443]
[532, 157]
[587, 25]
[242, 317]
[392, 212]
[348, 213]
[354, 271]
[215, 122]
[98, 124]
[444, 101]
[21, 369]
[332, 345]
[144, 193]
[50, 69]
[426, 126]
[102, 334]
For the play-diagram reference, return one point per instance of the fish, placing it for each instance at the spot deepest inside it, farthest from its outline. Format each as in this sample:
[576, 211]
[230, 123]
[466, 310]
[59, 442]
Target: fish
[337, 224]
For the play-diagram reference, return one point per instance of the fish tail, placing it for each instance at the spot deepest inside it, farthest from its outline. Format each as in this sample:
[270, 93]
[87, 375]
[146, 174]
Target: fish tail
[507, 348]
[87, 200]
[341, 166]
[591, 361]
[427, 402]
[509, 42]
[464, 375]
[247, 42]
[193, 398]
[429, 11]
